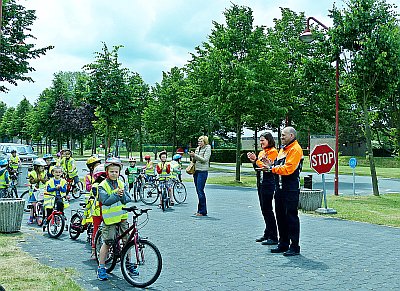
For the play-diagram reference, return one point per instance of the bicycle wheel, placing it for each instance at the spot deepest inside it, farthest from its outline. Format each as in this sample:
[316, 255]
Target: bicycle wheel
[179, 192]
[25, 196]
[39, 213]
[55, 226]
[149, 195]
[75, 226]
[77, 190]
[147, 259]
[89, 233]
[111, 260]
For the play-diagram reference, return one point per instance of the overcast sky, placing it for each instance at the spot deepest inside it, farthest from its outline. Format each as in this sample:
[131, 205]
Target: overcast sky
[156, 34]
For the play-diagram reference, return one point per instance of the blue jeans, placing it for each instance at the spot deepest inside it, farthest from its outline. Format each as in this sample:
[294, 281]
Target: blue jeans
[200, 178]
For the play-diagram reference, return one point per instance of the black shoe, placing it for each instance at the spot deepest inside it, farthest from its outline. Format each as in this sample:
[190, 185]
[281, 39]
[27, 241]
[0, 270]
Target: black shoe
[279, 249]
[292, 252]
[260, 239]
[269, 242]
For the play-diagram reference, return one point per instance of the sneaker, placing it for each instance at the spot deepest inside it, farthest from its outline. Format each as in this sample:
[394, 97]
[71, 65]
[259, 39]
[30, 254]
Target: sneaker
[132, 269]
[102, 274]
[30, 220]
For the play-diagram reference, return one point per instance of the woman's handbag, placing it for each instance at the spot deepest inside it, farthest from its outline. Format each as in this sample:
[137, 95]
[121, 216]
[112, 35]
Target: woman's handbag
[191, 168]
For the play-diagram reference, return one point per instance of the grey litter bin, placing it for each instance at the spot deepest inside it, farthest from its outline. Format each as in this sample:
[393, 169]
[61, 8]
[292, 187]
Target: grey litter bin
[22, 175]
[310, 200]
[11, 212]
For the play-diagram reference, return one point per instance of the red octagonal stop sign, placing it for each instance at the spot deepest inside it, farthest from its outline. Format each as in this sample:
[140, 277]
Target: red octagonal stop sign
[322, 158]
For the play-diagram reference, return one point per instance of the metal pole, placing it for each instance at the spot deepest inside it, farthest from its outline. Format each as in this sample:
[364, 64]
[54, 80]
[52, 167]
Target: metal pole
[354, 181]
[324, 190]
[336, 182]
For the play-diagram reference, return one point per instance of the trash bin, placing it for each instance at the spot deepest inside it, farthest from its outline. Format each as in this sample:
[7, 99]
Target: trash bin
[308, 182]
[22, 175]
[11, 212]
[310, 200]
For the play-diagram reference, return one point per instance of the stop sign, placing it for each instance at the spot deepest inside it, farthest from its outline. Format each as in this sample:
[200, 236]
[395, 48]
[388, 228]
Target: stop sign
[322, 158]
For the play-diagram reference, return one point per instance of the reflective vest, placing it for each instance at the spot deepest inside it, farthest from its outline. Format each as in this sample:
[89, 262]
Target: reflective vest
[175, 169]
[132, 174]
[3, 184]
[14, 162]
[95, 204]
[87, 212]
[34, 175]
[49, 196]
[163, 168]
[149, 168]
[113, 214]
[69, 167]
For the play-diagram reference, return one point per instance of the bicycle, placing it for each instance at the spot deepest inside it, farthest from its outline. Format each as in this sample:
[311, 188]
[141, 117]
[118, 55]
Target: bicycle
[12, 188]
[75, 225]
[179, 191]
[38, 208]
[139, 251]
[75, 190]
[163, 190]
[138, 185]
[55, 222]
[149, 193]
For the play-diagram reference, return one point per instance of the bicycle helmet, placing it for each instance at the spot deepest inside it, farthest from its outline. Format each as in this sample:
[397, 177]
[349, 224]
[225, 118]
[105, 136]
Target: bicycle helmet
[132, 159]
[147, 157]
[47, 156]
[13, 151]
[113, 161]
[176, 157]
[67, 150]
[92, 160]
[39, 162]
[162, 153]
[98, 171]
[3, 162]
[59, 154]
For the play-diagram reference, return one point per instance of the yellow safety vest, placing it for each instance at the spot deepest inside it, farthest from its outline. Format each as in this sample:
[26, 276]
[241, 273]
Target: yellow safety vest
[87, 213]
[49, 198]
[3, 184]
[69, 167]
[113, 214]
[164, 173]
[34, 175]
[96, 205]
[151, 170]
[175, 169]
[14, 162]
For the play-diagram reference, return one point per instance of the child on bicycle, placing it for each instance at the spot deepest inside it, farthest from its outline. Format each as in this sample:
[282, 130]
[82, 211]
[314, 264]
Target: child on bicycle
[55, 193]
[131, 172]
[91, 163]
[164, 171]
[113, 195]
[37, 179]
[99, 174]
[14, 161]
[176, 167]
[48, 158]
[69, 166]
[4, 178]
[149, 167]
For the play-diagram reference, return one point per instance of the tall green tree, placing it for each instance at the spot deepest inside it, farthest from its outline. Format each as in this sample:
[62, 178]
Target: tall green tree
[367, 29]
[233, 51]
[108, 90]
[7, 128]
[16, 47]
[21, 120]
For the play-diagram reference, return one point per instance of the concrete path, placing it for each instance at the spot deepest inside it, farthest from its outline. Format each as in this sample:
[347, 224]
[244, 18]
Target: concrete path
[219, 252]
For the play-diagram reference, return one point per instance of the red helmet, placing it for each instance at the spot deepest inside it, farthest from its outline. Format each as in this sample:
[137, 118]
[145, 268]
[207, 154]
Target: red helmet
[147, 157]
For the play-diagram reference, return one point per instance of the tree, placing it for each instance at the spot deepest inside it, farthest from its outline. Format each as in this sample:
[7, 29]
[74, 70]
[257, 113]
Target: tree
[108, 91]
[233, 53]
[21, 121]
[367, 29]
[15, 47]
[7, 128]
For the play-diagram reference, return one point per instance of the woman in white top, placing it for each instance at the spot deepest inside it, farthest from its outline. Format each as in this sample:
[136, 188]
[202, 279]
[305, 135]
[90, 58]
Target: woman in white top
[201, 156]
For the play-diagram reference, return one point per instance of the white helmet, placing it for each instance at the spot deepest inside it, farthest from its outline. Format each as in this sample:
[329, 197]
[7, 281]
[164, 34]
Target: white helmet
[39, 162]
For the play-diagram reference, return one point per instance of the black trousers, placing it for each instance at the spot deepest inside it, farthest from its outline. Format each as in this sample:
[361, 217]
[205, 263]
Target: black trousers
[265, 196]
[286, 203]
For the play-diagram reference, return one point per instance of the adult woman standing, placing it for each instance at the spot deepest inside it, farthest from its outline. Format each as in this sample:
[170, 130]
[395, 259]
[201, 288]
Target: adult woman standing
[201, 156]
[266, 187]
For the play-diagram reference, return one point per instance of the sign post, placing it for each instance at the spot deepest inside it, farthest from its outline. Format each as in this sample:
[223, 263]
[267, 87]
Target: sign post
[322, 159]
[353, 165]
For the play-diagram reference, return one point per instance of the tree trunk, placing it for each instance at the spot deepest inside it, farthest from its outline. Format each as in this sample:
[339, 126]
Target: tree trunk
[81, 145]
[255, 140]
[369, 147]
[140, 144]
[397, 134]
[238, 146]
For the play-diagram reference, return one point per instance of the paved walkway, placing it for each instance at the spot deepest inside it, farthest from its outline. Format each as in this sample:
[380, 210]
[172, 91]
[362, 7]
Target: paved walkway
[218, 252]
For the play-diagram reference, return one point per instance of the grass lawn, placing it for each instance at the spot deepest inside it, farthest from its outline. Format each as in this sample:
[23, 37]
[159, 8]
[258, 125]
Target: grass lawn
[20, 271]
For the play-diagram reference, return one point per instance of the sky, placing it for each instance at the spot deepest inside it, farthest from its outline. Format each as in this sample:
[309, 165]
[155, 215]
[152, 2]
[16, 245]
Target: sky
[156, 34]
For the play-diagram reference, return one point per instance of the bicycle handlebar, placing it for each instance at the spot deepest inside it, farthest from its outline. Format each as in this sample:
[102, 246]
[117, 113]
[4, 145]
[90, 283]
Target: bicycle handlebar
[136, 211]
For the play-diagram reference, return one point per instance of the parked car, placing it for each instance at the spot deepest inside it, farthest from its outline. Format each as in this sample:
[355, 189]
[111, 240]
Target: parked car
[25, 152]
